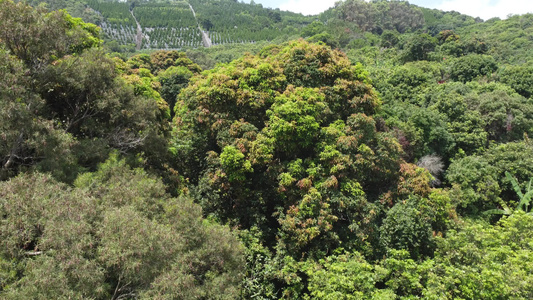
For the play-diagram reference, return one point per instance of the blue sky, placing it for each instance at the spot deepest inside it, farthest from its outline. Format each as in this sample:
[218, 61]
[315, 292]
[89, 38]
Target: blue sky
[484, 9]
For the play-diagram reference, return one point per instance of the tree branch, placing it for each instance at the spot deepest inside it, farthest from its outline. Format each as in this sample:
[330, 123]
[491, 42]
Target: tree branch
[14, 151]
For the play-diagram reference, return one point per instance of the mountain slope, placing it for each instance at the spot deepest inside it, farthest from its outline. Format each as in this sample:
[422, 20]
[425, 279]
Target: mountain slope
[180, 24]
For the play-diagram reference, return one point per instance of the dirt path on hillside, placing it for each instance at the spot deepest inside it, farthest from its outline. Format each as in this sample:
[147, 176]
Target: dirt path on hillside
[139, 36]
[205, 37]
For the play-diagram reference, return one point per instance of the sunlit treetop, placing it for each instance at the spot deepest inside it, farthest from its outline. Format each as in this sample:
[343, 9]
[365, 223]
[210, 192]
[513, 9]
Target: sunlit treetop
[286, 140]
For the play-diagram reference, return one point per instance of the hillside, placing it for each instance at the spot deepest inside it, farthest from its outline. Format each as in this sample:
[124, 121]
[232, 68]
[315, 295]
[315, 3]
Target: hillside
[376, 151]
[179, 24]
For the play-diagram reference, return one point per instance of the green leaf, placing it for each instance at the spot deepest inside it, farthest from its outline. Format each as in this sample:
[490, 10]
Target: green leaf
[516, 187]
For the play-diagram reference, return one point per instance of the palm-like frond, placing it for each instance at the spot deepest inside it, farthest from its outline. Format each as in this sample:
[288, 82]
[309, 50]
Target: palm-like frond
[523, 204]
[516, 187]
[506, 211]
[526, 199]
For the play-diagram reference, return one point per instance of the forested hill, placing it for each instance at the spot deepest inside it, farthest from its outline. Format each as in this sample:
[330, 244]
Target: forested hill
[178, 24]
[376, 151]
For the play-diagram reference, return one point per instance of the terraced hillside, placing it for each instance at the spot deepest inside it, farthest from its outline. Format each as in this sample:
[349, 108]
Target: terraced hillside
[180, 24]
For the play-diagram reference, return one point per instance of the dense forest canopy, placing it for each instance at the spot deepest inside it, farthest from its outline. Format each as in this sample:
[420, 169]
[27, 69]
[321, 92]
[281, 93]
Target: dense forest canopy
[379, 150]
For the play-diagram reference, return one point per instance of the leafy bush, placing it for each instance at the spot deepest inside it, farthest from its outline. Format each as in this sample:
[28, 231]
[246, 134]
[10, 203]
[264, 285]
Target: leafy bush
[117, 234]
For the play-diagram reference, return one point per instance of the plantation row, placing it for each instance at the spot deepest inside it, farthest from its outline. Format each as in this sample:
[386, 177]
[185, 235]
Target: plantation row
[175, 17]
[113, 12]
[177, 38]
[171, 38]
[123, 34]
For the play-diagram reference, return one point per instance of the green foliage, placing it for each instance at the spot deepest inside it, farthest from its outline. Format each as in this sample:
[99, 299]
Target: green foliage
[313, 29]
[325, 38]
[507, 40]
[389, 39]
[144, 84]
[403, 275]
[293, 119]
[378, 16]
[37, 37]
[346, 276]
[175, 25]
[506, 116]
[234, 164]
[116, 234]
[451, 44]
[484, 261]
[260, 278]
[70, 97]
[432, 116]
[479, 182]
[477, 260]
[418, 47]
[469, 67]
[173, 69]
[115, 10]
[524, 199]
[285, 142]
[408, 227]
[173, 80]
[405, 83]
[289, 144]
[19, 126]
[519, 78]
[438, 20]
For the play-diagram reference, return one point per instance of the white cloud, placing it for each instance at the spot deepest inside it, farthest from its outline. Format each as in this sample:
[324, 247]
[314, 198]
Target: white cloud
[487, 9]
[307, 7]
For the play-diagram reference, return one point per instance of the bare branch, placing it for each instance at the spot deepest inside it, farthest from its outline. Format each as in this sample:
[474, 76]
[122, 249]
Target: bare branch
[124, 140]
[14, 151]
[433, 164]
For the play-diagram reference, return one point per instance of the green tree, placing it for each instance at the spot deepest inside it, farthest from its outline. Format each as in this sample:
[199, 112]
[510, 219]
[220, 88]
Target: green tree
[21, 130]
[38, 37]
[479, 182]
[114, 235]
[418, 47]
[524, 199]
[285, 142]
[377, 16]
[312, 29]
[175, 76]
[519, 78]
[408, 227]
[346, 276]
[483, 261]
[470, 67]
[507, 116]
[389, 39]
[71, 96]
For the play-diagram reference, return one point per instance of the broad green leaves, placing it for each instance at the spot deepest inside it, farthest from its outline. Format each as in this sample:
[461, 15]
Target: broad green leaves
[524, 199]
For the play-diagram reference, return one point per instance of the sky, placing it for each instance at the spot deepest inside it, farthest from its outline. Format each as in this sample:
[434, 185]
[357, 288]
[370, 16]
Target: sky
[484, 9]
